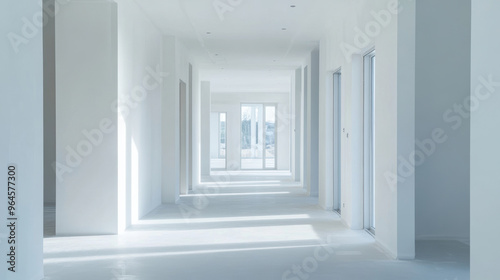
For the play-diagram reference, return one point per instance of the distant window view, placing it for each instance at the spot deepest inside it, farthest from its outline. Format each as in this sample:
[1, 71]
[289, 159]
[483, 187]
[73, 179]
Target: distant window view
[258, 136]
[218, 139]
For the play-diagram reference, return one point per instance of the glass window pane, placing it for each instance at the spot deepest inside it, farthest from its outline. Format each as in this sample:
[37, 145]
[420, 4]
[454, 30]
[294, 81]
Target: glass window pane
[270, 132]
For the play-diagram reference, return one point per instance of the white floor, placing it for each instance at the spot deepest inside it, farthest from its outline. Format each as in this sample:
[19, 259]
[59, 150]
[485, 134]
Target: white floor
[217, 163]
[245, 231]
[246, 164]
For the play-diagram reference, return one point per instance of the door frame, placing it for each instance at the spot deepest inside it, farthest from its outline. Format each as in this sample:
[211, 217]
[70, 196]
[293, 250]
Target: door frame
[337, 141]
[218, 141]
[369, 141]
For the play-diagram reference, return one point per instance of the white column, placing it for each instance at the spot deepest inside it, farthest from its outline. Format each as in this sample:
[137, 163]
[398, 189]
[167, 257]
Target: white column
[405, 191]
[170, 124]
[485, 136]
[21, 144]
[297, 123]
[49, 110]
[313, 129]
[87, 146]
[196, 129]
[205, 128]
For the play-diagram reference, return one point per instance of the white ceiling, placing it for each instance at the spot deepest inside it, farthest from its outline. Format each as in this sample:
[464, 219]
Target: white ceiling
[248, 80]
[246, 37]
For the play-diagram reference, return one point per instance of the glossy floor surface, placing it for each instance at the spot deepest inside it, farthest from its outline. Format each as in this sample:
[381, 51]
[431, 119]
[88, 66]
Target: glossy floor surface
[244, 231]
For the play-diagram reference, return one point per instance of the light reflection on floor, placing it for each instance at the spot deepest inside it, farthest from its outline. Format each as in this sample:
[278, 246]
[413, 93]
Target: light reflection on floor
[244, 237]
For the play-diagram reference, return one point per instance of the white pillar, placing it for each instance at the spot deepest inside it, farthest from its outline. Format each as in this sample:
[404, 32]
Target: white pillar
[170, 124]
[183, 130]
[196, 129]
[405, 191]
[49, 110]
[21, 144]
[485, 137]
[297, 98]
[87, 145]
[205, 128]
[313, 126]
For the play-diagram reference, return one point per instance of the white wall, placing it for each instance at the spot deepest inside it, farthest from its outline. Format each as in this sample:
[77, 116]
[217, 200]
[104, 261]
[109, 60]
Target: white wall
[204, 107]
[139, 56]
[231, 104]
[442, 80]
[394, 219]
[170, 124]
[86, 84]
[21, 122]
[196, 130]
[183, 61]
[485, 137]
[109, 81]
[405, 228]
[214, 135]
[175, 62]
[304, 123]
[297, 124]
[312, 131]
[49, 107]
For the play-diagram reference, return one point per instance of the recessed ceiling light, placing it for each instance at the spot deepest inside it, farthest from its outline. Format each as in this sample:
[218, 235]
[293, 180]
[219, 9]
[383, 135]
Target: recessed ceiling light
[292, 6]
[284, 29]
[208, 33]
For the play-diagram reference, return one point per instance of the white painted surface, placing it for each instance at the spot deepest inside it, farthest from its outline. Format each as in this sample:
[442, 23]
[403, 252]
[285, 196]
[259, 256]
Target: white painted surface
[251, 79]
[175, 62]
[86, 84]
[170, 124]
[238, 28]
[196, 117]
[139, 55]
[205, 110]
[214, 135]
[49, 107]
[183, 60]
[484, 140]
[312, 132]
[231, 103]
[183, 134]
[406, 129]
[346, 18]
[131, 50]
[190, 131]
[303, 125]
[442, 182]
[21, 123]
[297, 124]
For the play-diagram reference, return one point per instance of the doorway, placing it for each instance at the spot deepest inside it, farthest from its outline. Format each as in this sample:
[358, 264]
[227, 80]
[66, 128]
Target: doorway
[258, 136]
[218, 141]
[369, 142]
[183, 182]
[337, 142]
